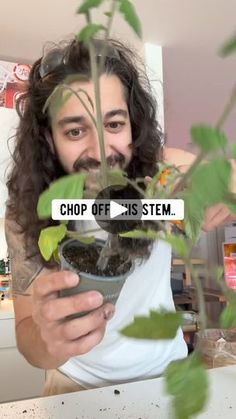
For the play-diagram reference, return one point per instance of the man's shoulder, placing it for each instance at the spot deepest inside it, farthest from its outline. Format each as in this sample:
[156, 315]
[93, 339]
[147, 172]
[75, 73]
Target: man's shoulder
[178, 157]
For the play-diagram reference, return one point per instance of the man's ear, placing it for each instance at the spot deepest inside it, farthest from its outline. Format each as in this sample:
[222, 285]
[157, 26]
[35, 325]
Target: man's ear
[49, 139]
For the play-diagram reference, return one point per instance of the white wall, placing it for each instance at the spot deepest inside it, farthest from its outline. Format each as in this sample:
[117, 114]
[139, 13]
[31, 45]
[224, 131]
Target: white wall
[8, 124]
[3, 244]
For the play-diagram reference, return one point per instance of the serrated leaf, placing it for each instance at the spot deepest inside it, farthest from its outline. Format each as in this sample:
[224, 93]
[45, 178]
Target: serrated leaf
[159, 325]
[208, 138]
[67, 187]
[229, 47]
[89, 31]
[187, 381]
[49, 239]
[228, 316]
[131, 17]
[87, 5]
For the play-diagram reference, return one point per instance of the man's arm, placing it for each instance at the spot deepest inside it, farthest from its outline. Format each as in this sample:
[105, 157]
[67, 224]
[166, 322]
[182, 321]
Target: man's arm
[214, 216]
[43, 336]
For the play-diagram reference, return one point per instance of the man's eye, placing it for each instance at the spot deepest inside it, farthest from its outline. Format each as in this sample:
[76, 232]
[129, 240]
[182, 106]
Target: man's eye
[114, 125]
[75, 133]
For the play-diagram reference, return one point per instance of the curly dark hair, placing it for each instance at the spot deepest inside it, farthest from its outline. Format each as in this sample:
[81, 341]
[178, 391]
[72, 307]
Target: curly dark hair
[35, 166]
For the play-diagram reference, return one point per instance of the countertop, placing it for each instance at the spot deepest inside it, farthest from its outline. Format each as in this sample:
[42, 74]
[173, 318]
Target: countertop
[139, 400]
[6, 310]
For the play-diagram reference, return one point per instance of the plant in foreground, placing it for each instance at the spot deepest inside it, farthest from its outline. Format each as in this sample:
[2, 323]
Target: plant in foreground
[206, 183]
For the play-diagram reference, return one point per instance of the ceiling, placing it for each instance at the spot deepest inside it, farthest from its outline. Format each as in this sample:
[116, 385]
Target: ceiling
[197, 82]
[26, 25]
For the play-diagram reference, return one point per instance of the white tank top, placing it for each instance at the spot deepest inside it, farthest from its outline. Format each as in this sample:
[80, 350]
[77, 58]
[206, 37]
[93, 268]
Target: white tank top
[117, 359]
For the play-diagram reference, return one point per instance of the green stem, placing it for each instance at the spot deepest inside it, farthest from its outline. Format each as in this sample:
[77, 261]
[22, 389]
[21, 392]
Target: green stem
[107, 34]
[95, 78]
[82, 101]
[228, 109]
[200, 295]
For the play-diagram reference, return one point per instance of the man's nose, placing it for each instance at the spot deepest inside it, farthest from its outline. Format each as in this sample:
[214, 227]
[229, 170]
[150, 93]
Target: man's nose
[94, 148]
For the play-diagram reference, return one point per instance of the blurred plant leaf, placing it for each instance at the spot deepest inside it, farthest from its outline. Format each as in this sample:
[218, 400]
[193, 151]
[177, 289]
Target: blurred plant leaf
[141, 234]
[117, 177]
[67, 187]
[81, 238]
[229, 47]
[193, 217]
[228, 316]
[89, 31]
[49, 239]
[178, 243]
[187, 382]
[210, 183]
[159, 325]
[87, 5]
[131, 17]
[208, 138]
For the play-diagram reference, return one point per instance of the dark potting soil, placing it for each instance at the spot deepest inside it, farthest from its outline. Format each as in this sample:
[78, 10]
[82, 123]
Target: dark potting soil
[85, 259]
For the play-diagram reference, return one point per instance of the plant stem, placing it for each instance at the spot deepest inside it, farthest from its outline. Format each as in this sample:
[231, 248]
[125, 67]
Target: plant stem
[181, 184]
[200, 295]
[95, 78]
[107, 34]
[66, 86]
[229, 107]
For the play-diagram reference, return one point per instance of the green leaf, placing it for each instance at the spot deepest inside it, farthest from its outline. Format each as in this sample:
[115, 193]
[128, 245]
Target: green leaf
[82, 239]
[89, 31]
[87, 5]
[229, 47]
[128, 10]
[178, 243]
[116, 177]
[228, 316]
[208, 138]
[211, 183]
[193, 216]
[187, 382]
[67, 187]
[141, 234]
[49, 239]
[159, 325]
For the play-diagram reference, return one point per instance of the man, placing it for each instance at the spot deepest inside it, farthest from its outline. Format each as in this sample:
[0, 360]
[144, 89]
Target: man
[89, 351]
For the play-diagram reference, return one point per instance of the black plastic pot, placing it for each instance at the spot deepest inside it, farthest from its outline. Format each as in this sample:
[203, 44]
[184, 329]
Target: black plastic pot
[109, 286]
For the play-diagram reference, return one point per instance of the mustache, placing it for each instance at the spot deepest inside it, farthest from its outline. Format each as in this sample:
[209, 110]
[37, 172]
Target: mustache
[90, 163]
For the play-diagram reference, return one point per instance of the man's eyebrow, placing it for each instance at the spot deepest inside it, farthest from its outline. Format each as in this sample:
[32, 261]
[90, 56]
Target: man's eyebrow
[81, 119]
[71, 119]
[114, 112]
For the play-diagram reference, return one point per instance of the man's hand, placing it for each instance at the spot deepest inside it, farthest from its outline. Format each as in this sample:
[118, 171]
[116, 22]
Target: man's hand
[68, 338]
[216, 216]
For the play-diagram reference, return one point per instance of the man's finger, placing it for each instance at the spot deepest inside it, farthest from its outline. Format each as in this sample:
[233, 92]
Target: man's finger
[56, 281]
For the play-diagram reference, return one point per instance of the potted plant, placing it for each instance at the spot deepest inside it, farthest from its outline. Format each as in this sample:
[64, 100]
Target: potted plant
[182, 377]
